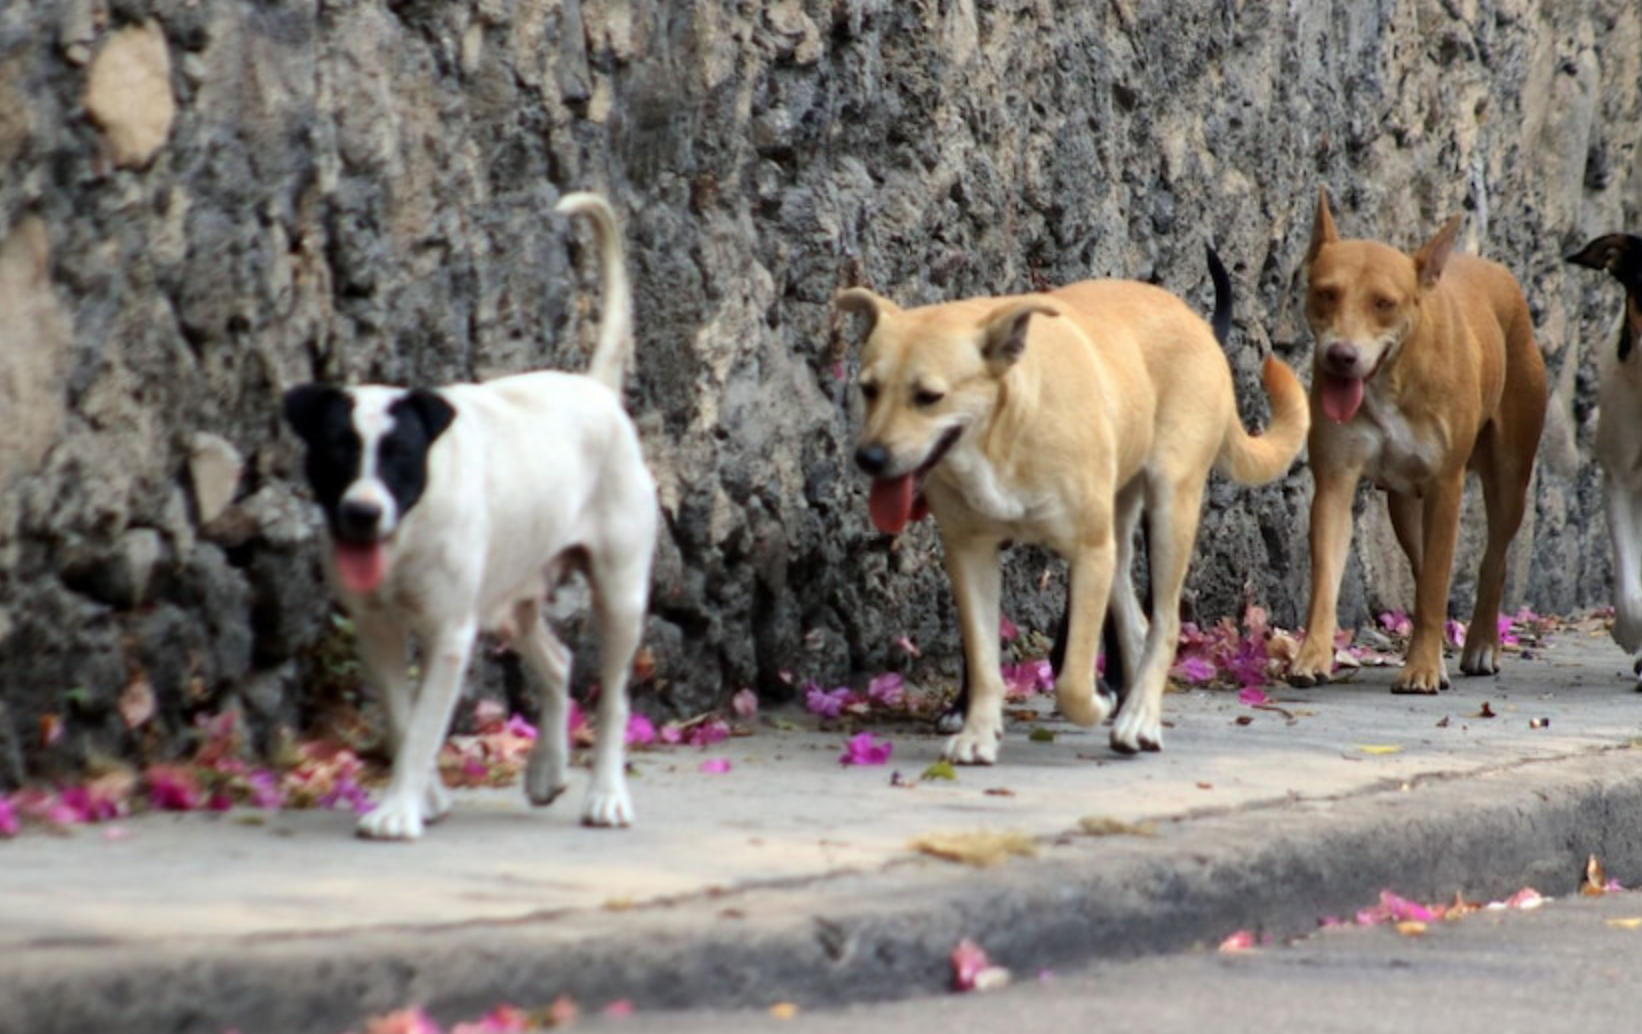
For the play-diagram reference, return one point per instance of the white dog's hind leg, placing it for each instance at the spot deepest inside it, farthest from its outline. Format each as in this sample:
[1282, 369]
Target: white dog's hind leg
[1624, 506]
[621, 624]
[399, 815]
[546, 776]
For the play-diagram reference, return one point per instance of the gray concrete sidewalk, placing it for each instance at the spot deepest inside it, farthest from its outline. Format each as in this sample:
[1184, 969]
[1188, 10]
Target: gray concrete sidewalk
[790, 877]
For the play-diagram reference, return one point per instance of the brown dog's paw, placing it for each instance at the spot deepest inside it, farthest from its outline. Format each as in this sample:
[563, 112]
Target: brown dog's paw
[1306, 679]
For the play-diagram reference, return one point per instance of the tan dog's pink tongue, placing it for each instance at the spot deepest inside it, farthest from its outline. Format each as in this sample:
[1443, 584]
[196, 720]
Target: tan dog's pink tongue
[892, 500]
[361, 568]
[1341, 397]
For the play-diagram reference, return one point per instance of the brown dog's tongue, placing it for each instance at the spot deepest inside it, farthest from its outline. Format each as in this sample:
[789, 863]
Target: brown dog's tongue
[892, 503]
[1341, 397]
[361, 568]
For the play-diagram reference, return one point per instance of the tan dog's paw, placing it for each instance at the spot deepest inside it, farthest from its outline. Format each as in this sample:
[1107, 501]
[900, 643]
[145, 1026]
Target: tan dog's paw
[608, 808]
[1421, 680]
[977, 744]
[1311, 668]
[1138, 727]
[396, 818]
[1480, 659]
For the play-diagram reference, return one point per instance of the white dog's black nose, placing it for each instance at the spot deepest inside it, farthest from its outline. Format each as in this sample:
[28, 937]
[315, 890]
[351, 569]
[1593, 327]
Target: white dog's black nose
[872, 459]
[357, 521]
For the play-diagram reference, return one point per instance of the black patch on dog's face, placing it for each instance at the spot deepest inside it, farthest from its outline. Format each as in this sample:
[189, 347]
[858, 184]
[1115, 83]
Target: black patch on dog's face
[366, 451]
[1620, 254]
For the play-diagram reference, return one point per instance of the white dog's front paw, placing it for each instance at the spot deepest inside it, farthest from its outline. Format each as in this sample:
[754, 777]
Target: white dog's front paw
[1138, 727]
[608, 807]
[545, 775]
[396, 818]
[977, 744]
[436, 801]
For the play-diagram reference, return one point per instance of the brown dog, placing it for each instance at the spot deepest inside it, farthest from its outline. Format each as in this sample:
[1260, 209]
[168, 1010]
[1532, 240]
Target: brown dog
[1054, 419]
[1425, 365]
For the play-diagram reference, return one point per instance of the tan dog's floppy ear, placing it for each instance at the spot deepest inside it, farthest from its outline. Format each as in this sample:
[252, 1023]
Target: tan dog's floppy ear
[863, 301]
[1430, 260]
[1003, 332]
[1322, 227]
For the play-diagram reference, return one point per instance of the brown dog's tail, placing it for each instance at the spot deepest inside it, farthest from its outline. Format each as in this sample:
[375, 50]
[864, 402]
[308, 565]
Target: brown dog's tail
[1254, 459]
[616, 334]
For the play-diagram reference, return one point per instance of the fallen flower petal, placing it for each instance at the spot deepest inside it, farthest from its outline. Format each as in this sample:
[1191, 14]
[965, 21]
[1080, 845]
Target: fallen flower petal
[1194, 670]
[783, 1010]
[1627, 923]
[620, 1007]
[1402, 909]
[866, 749]
[716, 766]
[1253, 696]
[641, 731]
[1379, 748]
[405, 1021]
[1242, 940]
[745, 703]
[968, 962]
[8, 818]
[888, 689]
[504, 1019]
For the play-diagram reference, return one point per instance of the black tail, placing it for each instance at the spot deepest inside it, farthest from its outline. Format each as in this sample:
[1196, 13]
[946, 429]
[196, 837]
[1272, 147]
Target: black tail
[1222, 321]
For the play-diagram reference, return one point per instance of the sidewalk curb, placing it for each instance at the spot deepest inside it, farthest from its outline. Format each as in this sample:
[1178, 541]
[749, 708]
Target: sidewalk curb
[886, 934]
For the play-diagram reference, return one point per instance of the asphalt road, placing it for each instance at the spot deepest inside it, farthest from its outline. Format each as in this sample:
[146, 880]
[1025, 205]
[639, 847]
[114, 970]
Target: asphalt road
[1571, 965]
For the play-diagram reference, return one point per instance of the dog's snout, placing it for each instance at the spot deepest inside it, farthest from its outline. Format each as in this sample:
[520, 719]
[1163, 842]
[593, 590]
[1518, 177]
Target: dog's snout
[872, 459]
[358, 519]
[1343, 357]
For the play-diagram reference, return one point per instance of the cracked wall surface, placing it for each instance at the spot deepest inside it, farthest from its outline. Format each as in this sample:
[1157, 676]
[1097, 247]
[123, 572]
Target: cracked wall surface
[204, 203]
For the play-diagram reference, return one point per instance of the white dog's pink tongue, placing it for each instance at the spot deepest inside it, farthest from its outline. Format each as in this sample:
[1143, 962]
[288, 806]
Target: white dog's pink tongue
[361, 568]
[892, 500]
[1341, 397]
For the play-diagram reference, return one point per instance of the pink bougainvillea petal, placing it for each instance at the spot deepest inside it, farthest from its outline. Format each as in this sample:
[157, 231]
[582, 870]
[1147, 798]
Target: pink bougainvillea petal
[745, 703]
[968, 961]
[641, 731]
[866, 749]
[405, 1021]
[1242, 940]
[619, 1007]
[716, 766]
[1007, 630]
[1253, 696]
[9, 824]
[888, 689]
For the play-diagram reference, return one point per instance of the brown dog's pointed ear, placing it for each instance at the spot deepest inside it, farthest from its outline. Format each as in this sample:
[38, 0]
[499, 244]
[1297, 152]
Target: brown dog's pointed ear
[1606, 253]
[1430, 260]
[863, 301]
[1322, 227]
[1003, 332]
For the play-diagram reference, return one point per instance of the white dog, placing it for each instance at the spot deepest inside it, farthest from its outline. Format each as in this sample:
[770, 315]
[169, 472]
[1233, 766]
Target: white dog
[1619, 432]
[456, 510]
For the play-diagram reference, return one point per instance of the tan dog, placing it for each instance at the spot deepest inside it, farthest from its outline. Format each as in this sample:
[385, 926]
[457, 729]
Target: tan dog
[1425, 365]
[1053, 419]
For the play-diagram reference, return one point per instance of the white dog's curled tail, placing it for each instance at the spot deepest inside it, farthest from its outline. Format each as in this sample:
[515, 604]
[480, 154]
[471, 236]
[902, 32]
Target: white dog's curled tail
[616, 334]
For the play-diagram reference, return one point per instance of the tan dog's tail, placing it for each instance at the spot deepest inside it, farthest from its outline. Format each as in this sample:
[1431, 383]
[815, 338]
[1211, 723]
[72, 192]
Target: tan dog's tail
[1254, 459]
[616, 334]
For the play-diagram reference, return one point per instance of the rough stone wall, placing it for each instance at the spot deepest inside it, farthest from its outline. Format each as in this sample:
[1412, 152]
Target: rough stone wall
[203, 203]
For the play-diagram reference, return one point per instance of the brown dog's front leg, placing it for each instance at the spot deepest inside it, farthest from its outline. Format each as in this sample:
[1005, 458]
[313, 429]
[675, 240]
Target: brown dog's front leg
[1330, 544]
[1424, 672]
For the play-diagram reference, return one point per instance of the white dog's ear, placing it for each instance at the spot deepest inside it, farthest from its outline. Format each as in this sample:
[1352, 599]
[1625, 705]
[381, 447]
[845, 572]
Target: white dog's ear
[1003, 332]
[431, 409]
[306, 406]
[1322, 227]
[1430, 260]
[860, 300]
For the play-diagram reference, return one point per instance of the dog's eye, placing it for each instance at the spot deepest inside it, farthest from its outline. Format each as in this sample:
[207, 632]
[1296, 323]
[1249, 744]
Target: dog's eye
[869, 391]
[926, 397]
[1326, 295]
[1384, 305]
